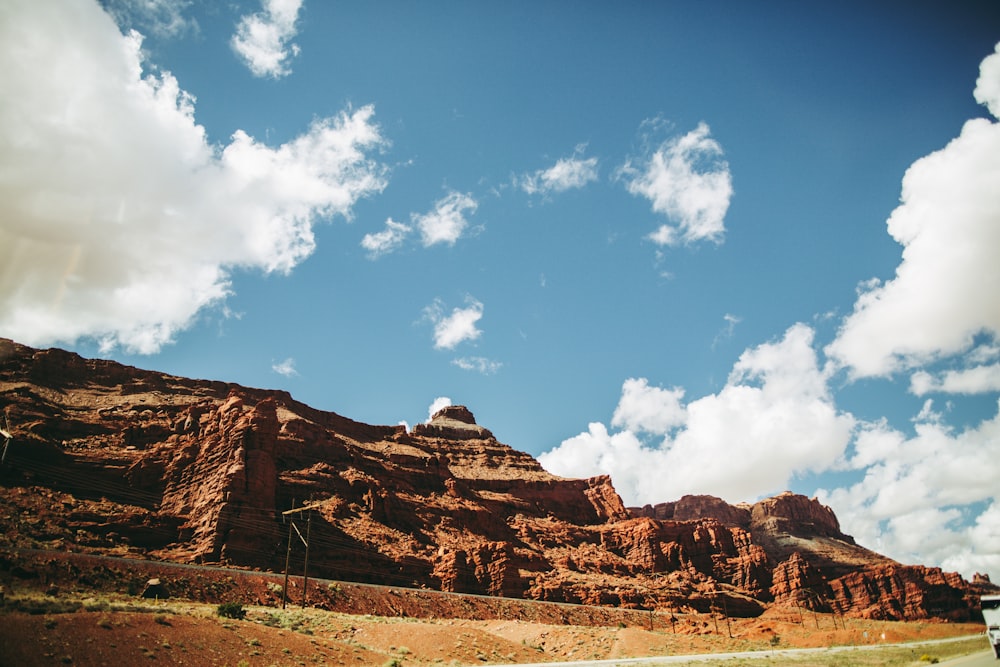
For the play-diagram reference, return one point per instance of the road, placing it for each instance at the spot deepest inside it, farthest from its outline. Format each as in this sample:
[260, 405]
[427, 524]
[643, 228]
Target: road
[983, 659]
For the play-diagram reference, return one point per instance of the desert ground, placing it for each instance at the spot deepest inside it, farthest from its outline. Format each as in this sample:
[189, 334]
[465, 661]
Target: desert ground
[50, 622]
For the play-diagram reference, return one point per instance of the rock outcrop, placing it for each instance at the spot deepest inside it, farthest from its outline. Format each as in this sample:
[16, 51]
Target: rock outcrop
[692, 508]
[112, 459]
[902, 592]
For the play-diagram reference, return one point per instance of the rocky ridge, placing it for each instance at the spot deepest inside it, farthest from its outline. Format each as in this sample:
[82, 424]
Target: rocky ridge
[110, 459]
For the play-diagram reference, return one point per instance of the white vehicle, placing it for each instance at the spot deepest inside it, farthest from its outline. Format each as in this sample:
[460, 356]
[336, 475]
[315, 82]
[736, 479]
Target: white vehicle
[991, 614]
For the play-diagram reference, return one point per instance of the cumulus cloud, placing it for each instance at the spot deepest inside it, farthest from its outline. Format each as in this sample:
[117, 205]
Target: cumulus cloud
[121, 222]
[286, 367]
[987, 90]
[163, 18]
[446, 222]
[263, 40]
[481, 365]
[774, 416]
[458, 326]
[929, 497]
[566, 174]
[924, 495]
[438, 404]
[687, 180]
[388, 240]
[944, 292]
[649, 409]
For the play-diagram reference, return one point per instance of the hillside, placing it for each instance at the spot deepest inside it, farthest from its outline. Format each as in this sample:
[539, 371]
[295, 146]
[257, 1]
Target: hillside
[110, 459]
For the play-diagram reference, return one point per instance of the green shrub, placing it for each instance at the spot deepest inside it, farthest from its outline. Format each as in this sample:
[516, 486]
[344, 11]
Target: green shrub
[231, 610]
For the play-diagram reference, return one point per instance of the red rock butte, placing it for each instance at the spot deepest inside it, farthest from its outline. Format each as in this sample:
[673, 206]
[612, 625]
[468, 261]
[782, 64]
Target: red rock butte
[110, 459]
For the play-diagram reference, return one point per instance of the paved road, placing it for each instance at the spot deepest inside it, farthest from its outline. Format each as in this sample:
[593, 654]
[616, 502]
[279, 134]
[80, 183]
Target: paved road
[984, 659]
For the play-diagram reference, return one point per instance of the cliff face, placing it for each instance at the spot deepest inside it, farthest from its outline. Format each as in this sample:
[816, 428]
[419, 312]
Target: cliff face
[112, 459]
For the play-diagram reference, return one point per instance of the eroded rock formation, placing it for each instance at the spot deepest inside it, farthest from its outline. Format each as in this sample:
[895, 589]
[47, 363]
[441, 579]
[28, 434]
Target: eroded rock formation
[112, 459]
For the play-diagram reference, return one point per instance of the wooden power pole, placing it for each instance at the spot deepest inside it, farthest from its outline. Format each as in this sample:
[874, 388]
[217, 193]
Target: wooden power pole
[305, 541]
[7, 437]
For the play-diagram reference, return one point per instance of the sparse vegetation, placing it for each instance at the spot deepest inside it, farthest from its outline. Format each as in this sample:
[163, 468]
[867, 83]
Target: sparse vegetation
[364, 639]
[231, 610]
[289, 620]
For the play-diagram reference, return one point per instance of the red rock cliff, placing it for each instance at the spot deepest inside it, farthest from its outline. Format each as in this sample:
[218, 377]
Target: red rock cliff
[112, 459]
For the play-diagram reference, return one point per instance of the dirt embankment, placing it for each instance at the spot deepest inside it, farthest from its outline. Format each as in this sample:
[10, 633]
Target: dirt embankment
[68, 609]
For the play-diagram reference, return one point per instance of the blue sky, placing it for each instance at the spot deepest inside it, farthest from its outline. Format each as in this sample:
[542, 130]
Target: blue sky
[724, 248]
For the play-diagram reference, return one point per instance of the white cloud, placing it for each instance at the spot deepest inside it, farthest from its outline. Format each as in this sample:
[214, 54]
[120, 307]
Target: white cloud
[437, 405]
[987, 90]
[286, 367]
[686, 180]
[263, 39]
[121, 222]
[163, 18]
[446, 223]
[388, 240]
[926, 498]
[983, 354]
[944, 293]
[727, 331]
[773, 419]
[975, 380]
[565, 174]
[458, 327]
[649, 409]
[481, 365]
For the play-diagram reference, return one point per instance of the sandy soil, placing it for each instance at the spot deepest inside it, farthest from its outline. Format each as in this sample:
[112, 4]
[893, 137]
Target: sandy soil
[178, 633]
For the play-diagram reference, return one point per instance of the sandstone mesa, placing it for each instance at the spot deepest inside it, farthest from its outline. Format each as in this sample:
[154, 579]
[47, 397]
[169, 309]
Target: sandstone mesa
[110, 459]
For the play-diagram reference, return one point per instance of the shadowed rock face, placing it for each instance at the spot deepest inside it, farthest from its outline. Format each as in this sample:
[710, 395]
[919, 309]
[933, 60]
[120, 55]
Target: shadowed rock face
[112, 459]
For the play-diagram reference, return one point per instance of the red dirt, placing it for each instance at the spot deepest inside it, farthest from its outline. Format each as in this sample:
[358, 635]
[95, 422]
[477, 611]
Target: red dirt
[413, 627]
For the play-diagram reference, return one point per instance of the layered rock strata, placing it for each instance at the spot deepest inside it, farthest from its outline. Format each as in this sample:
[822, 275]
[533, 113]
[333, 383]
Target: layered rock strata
[112, 459]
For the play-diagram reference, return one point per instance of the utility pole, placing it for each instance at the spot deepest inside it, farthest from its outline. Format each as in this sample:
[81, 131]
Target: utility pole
[305, 563]
[725, 610]
[288, 555]
[7, 437]
[305, 541]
